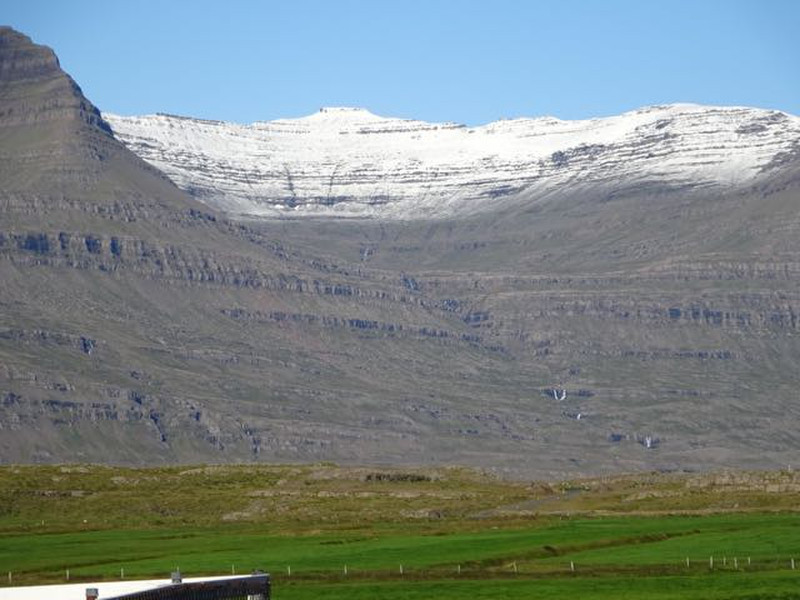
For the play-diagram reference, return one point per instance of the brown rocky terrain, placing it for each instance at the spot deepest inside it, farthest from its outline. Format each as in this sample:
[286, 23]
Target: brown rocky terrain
[603, 329]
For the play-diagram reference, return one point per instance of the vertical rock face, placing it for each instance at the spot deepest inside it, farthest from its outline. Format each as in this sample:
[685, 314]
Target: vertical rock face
[589, 329]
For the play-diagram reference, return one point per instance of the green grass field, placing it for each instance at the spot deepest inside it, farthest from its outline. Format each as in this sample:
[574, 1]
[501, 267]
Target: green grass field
[711, 587]
[444, 533]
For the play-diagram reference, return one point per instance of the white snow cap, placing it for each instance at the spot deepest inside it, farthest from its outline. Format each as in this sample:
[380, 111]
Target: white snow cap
[347, 161]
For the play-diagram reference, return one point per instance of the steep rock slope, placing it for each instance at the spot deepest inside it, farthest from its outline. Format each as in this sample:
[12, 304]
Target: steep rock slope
[349, 162]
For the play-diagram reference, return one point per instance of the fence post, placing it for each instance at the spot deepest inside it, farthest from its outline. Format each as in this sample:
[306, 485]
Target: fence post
[289, 570]
[687, 562]
[572, 566]
[401, 569]
[67, 574]
[710, 562]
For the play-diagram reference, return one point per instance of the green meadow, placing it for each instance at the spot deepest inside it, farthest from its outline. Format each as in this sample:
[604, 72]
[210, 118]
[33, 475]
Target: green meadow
[326, 531]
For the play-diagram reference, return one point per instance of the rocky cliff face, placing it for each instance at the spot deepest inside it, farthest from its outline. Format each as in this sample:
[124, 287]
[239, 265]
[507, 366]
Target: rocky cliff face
[601, 326]
[35, 90]
[349, 162]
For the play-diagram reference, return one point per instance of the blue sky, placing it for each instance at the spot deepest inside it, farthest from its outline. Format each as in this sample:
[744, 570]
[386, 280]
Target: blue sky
[465, 61]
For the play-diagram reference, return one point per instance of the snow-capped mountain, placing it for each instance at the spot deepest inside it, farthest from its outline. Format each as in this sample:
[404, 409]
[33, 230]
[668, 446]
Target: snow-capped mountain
[139, 328]
[350, 162]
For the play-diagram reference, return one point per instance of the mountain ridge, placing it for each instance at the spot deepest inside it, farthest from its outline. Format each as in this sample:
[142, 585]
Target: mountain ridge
[348, 162]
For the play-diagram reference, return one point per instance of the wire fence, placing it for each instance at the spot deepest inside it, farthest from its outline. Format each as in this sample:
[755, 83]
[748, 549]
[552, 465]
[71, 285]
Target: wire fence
[257, 587]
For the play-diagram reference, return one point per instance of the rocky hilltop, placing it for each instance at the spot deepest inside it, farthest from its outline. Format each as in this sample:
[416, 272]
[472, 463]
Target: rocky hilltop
[349, 162]
[612, 323]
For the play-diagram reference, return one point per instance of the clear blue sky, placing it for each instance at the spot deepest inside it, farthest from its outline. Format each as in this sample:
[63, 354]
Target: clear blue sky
[463, 60]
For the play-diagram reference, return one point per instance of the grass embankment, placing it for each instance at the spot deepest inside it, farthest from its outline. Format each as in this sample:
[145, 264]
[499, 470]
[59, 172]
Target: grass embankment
[455, 533]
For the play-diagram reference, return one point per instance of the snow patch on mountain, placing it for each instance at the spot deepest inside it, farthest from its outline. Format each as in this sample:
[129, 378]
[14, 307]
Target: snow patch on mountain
[349, 162]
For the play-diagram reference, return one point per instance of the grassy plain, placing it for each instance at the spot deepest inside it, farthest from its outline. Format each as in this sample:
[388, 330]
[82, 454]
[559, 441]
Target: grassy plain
[326, 531]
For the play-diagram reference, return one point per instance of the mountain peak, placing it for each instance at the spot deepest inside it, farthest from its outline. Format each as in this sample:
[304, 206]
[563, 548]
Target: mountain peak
[344, 110]
[34, 88]
[339, 115]
[55, 141]
[10, 36]
[22, 59]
